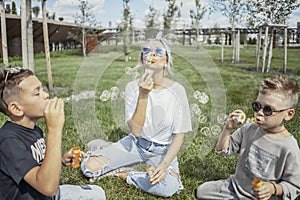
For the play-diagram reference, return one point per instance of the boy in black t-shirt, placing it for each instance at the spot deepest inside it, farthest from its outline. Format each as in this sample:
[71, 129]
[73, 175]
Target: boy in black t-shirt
[29, 170]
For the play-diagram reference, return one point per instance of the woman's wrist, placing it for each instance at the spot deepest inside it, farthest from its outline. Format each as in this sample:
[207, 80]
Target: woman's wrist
[165, 163]
[143, 94]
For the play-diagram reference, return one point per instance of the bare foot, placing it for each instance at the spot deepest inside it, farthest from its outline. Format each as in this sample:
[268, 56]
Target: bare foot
[123, 175]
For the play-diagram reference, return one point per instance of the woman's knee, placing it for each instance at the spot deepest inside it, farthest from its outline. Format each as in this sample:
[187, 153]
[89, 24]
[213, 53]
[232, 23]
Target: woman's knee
[96, 163]
[92, 165]
[168, 189]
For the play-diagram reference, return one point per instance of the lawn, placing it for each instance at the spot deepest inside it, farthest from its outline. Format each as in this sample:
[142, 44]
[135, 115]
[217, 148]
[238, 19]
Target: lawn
[97, 109]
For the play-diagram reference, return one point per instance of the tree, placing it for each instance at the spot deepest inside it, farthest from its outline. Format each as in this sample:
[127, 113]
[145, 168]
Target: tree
[49, 16]
[151, 17]
[7, 9]
[127, 24]
[179, 14]
[196, 16]
[36, 11]
[13, 8]
[171, 11]
[270, 12]
[235, 11]
[86, 20]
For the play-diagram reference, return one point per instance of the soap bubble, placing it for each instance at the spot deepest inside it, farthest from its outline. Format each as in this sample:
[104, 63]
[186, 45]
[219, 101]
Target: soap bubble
[203, 99]
[215, 129]
[195, 109]
[197, 94]
[129, 70]
[221, 118]
[205, 131]
[202, 119]
[105, 95]
[135, 75]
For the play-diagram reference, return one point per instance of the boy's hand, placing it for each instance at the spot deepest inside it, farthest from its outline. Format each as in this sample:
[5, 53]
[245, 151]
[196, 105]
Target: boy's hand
[232, 121]
[68, 157]
[54, 115]
[264, 192]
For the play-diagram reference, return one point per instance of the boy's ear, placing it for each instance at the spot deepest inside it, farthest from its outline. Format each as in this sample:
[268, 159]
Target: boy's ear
[290, 114]
[15, 109]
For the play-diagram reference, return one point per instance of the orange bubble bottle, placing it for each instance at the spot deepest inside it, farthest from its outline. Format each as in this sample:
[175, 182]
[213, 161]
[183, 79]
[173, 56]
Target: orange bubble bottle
[76, 158]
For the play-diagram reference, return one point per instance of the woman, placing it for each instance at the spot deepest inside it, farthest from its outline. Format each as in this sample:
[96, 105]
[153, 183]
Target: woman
[157, 114]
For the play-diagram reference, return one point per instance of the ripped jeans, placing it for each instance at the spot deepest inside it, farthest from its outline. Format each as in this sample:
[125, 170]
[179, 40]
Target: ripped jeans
[132, 150]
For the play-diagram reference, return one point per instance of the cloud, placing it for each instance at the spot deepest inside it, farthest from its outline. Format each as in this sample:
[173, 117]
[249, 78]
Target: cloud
[294, 18]
[113, 12]
[69, 8]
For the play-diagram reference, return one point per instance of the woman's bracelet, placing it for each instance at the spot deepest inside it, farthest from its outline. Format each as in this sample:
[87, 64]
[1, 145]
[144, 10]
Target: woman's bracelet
[275, 189]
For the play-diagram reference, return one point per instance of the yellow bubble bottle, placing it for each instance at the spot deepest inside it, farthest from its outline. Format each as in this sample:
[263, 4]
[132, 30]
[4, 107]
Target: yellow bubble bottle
[149, 170]
[257, 183]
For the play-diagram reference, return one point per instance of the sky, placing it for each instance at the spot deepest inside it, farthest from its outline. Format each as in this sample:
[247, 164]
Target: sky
[111, 11]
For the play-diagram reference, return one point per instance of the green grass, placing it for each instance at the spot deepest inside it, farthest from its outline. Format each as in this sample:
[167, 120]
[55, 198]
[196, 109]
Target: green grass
[229, 85]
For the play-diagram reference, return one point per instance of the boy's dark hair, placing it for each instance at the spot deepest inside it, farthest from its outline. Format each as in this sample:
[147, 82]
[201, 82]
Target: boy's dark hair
[10, 79]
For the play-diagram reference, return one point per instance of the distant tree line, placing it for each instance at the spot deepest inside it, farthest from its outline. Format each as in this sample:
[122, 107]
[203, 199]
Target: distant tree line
[12, 9]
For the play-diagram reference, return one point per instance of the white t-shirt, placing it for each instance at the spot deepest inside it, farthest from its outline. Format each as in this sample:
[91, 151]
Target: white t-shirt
[167, 112]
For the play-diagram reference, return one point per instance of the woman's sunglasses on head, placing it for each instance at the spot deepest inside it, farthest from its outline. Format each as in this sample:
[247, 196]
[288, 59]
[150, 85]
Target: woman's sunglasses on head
[158, 51]
[267, 110]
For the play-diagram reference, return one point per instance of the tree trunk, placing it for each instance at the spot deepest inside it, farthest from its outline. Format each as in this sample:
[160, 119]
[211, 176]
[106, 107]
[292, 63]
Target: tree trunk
[270, 55]
[265, 49]
[222, 47]
[233, 46]
[4, 35]
[237, 47]
[27, 35]
[285, 50]
[83, 41]
[258, 45]
[46, 44]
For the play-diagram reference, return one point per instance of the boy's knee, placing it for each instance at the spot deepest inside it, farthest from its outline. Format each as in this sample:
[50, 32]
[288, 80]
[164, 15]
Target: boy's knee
[93, 192]
[198, 192]
[98, 193]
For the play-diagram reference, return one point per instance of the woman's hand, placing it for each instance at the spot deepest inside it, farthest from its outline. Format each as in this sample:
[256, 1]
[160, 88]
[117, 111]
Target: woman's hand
[146, 83]
[159, 173]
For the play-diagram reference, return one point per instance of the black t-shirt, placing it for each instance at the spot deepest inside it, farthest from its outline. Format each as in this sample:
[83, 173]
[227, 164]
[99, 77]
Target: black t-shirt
[21, 149]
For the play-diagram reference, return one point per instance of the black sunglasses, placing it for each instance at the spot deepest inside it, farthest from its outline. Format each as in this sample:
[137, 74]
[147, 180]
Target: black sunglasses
[267, 110]
[158, 51]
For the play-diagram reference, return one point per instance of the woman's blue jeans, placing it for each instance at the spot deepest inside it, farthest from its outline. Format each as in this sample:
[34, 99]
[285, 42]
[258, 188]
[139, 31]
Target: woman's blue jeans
[132, 150]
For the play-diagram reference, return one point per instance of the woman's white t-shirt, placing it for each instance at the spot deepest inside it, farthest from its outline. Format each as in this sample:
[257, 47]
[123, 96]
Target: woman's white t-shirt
[167, 112]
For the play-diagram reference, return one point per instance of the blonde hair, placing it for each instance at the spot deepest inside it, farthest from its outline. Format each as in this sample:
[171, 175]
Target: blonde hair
[281, 85]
